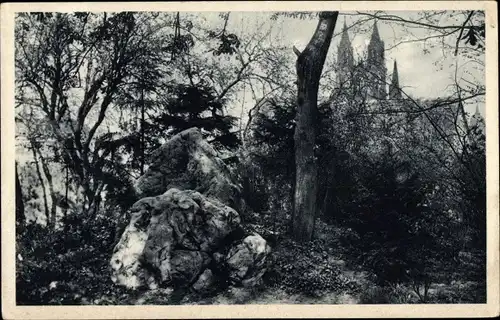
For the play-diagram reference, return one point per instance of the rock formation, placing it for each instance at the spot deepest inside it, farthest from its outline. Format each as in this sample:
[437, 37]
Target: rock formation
[185, 231]
[188, 162]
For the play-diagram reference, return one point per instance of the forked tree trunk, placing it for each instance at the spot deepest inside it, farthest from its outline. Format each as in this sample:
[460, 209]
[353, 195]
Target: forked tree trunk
[309, 67]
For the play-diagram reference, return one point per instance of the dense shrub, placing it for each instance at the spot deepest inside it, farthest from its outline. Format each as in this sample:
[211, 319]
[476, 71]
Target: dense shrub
[270, 164]
[307, 269]
[403, 237]
[66, 266]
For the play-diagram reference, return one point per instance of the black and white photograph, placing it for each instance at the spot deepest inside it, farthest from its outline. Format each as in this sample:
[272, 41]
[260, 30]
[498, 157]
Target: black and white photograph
[181, 157]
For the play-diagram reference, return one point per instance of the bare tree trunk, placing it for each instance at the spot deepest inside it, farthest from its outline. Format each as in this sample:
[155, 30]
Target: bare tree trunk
[40, 177]
[325, 201]
[309, 67]
[53, 197]
[66, 198]
[95, 200]
[142, 133]
[20, 218]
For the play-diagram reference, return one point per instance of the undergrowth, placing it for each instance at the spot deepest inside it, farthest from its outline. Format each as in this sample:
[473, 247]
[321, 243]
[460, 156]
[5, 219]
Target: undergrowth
[70, 267]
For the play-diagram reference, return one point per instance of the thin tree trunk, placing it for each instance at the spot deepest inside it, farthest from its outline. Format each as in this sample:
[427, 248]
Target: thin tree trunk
[40, 177]
[325, 202]
[309, 67]
[53, 197]
[20, 218]
[66, 198]
[95, 200]
[142, 132]
[292, 196]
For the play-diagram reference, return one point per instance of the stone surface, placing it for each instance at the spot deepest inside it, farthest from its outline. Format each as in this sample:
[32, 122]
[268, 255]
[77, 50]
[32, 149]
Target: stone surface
[174, 234]
[205, 282]
[186, 266]
[246, 261]
[187, 161]
[185, 232]
[127, 253]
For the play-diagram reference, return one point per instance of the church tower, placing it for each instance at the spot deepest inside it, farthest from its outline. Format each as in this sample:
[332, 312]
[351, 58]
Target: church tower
[477, 120]
[394, 89]
[376, 69]
[345, 60]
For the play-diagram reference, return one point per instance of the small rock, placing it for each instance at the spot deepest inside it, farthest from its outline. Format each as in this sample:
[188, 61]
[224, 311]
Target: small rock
[246, 261]
[187, 265]
[205, 282]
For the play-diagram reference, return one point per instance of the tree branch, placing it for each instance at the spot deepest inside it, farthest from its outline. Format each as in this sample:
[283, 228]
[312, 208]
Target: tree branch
[462, 31]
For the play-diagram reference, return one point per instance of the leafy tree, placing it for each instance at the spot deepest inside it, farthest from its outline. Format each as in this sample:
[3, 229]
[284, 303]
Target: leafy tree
[91, 55]
[197, 106]
[272, 164]
[404, 234]
[473, 188]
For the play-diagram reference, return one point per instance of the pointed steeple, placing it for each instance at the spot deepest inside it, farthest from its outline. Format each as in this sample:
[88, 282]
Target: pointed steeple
[376, 45]
[477, 113]
[394, 90]
[344, 31]
[375, 34]
[345, 59]
[376, 65]
[345, 43]
[476, 118]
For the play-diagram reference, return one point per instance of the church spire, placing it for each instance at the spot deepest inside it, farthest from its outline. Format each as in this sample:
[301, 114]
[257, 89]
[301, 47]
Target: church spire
[394, 90]
[375, 34]
[344, 30]
[345, 59]
[345, 43]
[376, 65]
[476, 120]
[376, 46]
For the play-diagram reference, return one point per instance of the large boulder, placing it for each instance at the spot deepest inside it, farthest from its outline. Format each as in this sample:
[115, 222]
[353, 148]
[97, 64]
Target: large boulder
[185, 232]
[172, 238]
[187, 161]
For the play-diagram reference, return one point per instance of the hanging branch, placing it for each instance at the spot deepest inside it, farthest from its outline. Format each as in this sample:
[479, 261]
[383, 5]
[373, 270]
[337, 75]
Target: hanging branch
[462, 31]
